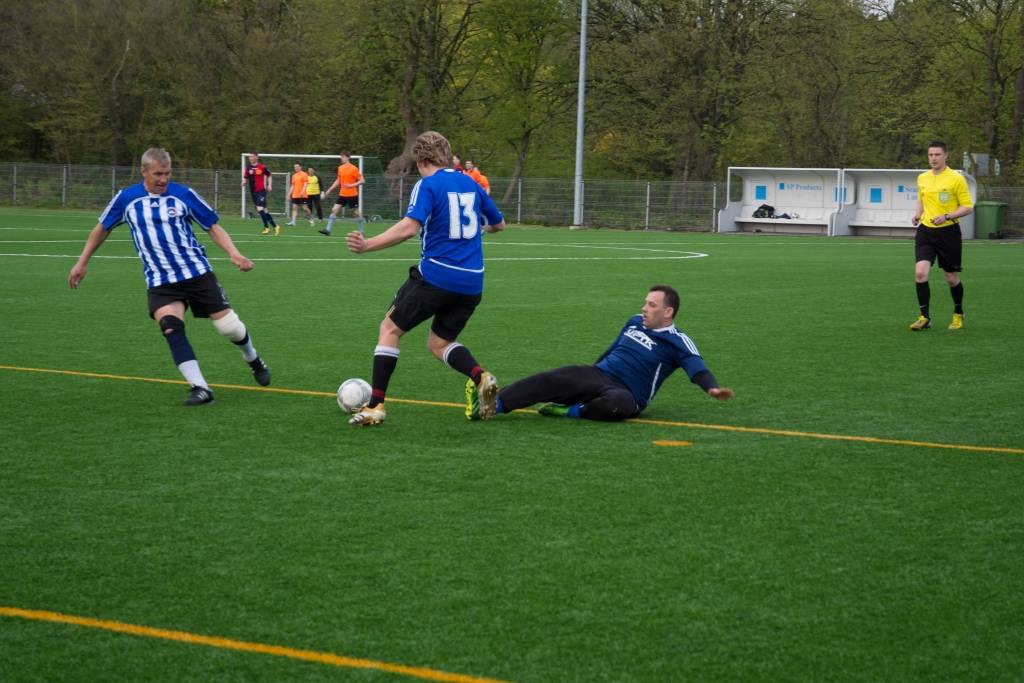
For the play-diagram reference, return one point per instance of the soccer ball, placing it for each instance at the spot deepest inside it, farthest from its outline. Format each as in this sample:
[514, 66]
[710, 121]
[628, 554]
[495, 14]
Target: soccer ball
[353, 394]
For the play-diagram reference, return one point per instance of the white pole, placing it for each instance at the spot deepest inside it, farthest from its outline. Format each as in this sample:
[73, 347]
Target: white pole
[714, 207]
[577, 208]
[647, 208]
[519, 202]
[359, 188]
[243, 186]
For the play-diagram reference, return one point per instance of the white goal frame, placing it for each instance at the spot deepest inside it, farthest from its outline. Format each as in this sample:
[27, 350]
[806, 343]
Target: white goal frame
[357, 158]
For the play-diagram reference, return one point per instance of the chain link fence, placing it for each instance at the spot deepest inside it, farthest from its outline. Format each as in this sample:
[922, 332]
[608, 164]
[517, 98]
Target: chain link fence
[1013, 197]
[537, 201]
[629, 204]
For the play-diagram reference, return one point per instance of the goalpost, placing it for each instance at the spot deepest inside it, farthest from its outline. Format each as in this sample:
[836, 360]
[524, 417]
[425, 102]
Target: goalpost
[284, 164]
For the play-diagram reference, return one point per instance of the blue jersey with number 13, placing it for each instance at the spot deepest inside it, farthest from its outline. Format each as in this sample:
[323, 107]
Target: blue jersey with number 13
[450, 206]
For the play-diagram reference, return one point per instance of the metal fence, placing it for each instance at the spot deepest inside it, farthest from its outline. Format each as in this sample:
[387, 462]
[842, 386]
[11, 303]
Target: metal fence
[542, 201]
[1013, 197]
[630, 204]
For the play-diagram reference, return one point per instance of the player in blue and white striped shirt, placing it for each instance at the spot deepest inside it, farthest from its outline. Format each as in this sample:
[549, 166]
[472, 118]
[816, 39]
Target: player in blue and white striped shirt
[449, 211]
[160, 215]
[647, 350]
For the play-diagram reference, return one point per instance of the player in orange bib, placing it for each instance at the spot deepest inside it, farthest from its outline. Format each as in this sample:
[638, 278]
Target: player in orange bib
[348, 182]
[300, 180]
[473, 171]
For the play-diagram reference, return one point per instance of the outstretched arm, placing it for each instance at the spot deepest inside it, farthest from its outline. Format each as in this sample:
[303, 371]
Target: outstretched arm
[222, 239]
[96, 237]
[706, 381]
[396, 234]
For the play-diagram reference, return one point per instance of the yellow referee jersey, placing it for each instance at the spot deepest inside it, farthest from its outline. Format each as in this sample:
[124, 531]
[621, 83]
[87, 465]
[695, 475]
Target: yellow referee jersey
[941, 194]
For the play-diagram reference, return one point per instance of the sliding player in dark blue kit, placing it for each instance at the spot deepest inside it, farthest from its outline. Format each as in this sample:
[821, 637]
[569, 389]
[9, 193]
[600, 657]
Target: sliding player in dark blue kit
[160, 215]
[447, 209]
[624, 379]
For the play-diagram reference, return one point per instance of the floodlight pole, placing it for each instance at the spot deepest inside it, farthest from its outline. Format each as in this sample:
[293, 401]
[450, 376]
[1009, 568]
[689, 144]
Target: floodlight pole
[577, 206]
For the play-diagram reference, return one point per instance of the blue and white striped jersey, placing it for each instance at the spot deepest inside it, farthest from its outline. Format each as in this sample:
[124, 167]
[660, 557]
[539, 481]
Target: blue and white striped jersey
[643, 358]
[449, 205]
[161, 228]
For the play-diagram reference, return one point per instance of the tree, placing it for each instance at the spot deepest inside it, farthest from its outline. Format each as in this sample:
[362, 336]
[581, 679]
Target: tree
[525, 53]
[670, 78]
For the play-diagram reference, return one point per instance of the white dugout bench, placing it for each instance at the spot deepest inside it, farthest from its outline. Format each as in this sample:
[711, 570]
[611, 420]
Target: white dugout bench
[828, 201]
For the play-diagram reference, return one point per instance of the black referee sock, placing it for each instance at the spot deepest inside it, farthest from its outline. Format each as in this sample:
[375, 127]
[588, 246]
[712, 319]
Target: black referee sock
[924, 295]
[958, 298]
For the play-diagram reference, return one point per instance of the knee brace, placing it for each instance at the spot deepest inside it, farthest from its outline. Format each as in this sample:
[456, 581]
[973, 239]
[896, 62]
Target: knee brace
[170, 324]
[231, 326]
[174, 332]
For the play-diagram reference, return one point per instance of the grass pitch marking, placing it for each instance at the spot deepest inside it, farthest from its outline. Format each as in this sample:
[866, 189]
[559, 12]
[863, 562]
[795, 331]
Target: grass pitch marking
[661, 423]
[832, 437]
[243, 646]
[666, 442]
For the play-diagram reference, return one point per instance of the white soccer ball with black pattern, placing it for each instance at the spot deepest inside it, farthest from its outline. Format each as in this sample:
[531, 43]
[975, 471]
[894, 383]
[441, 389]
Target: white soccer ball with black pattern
[353, 394]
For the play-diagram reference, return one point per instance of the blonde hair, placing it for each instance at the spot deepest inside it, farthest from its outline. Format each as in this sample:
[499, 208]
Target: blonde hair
[156, 155]
[432, 148]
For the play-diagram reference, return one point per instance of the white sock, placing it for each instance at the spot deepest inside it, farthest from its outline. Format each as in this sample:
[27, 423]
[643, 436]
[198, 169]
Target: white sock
[192, 374]
[247, 349]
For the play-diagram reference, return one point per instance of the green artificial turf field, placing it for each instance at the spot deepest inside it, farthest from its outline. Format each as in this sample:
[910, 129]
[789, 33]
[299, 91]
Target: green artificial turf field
[753, 546]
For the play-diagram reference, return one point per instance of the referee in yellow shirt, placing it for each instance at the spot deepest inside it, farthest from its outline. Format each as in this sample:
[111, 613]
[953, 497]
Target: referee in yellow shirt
[942, 199]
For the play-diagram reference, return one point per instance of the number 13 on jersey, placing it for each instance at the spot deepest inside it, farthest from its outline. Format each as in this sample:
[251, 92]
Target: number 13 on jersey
[462, 204]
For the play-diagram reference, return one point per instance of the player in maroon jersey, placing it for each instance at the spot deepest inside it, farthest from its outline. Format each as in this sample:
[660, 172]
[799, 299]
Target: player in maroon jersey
[260, 183]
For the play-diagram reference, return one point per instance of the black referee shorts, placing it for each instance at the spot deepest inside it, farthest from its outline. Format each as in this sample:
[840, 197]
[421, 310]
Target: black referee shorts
[945, 244]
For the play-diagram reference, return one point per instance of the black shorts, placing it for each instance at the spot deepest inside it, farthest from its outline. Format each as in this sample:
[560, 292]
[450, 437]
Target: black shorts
[259, 198]
[418, 300]
[202, 294]
[946, 244]
[298, 201]
[347, 201]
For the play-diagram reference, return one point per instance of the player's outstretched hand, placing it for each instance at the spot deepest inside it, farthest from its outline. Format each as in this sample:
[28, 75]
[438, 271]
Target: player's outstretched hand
[76, 275]
[242, 263]
[356, 242]
[721, 393]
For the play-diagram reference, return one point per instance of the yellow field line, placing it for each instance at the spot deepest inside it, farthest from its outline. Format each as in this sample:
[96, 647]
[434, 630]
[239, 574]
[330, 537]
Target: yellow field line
[244, 646]
[666, 442]
[831, 437]
[273, 390]
[662, 423]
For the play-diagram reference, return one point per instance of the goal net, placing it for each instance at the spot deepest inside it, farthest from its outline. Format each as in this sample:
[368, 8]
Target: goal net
[281, 167]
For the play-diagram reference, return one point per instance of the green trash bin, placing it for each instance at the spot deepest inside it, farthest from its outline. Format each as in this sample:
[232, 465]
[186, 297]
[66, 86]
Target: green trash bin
[988, 220]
